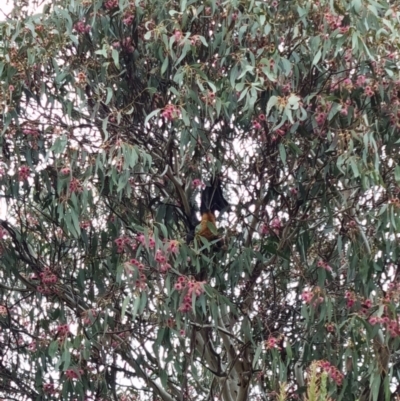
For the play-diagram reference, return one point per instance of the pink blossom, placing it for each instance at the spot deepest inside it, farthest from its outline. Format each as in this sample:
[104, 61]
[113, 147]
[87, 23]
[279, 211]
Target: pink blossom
[368, 91]
[272, 342]
[65, 171]
[165, 267]
[256, 125]
[264, 229]
[320, 118]
[32, 346]
[197, 183]
[324, 266]
[141, 238]
[170, 112]
[185, 307]
[110, 4]
[80, 27]
[3, 233]
[177, 35]
[361, 80]
[23, 173]
[307, 296]
[31, 131]
[173, 246]
[159, 256]
[63, 330]
[128, 20]
[367, 303]
[71, 374]
[75, 185]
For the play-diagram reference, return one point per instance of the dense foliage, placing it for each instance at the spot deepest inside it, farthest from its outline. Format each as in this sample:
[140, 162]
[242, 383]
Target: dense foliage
[115, 115]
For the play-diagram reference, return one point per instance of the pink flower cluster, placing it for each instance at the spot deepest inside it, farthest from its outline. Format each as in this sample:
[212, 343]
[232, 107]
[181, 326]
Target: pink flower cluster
[320, 118]
[393, 292]
[369, 91]
[31, 131]
[140, 283]
[75, 185]
[330, 327]
[89, 316]
[62, 330]
[274, 226]
[48, 388]
[128, 19]
[173, 246]
[80, 27]
[111, 4]
[162, 260]
[85, 224]
[177, 35]
[392, 325]
[334, 21]
[71, 374]
[351, 298]
[121, 242]
[256, 123]
[272, 342]
[3, 233]
[32, 346]
[170, 112]
[47, 278]
[332, 371]
[142, 239]
[3, 310]
[23, 173]
[324, 265]
[65, 170]
[312, 298]
[188, 287]
[197, 183]
[361, 79]
[208, 98]
[136, 263]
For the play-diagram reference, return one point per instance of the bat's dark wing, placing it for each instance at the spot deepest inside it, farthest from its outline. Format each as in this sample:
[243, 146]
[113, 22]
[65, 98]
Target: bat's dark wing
[212, 198]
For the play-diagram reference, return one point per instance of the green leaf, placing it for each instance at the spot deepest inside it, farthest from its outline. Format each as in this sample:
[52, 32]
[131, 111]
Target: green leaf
[115, 57]
[257, 356]
[317, 57]
[124, 306]
[151, 115]
[164, 65]
[282, 152]
[272, 101]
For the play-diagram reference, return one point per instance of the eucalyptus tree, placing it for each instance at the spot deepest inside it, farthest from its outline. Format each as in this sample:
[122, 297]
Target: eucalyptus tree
[115, 117]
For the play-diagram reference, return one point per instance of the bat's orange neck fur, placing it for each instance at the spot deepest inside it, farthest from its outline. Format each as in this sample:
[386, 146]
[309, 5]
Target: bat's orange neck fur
[207, 217]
